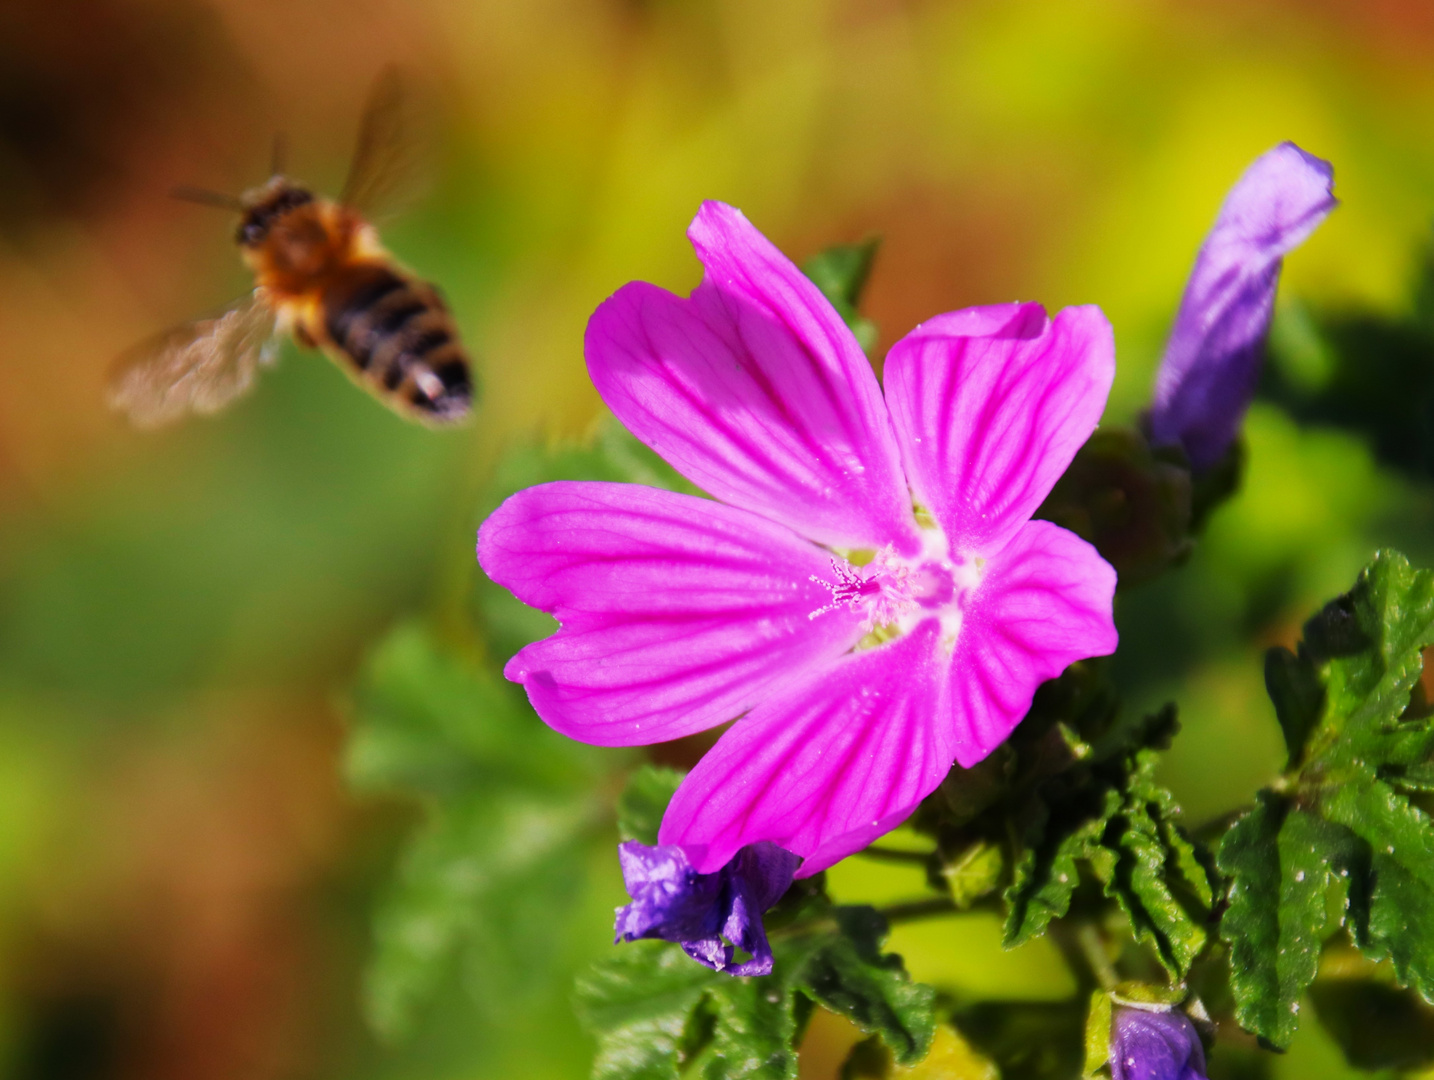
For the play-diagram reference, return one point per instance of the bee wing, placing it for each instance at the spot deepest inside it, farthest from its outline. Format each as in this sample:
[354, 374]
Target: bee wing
[389, 161]
[198, 367]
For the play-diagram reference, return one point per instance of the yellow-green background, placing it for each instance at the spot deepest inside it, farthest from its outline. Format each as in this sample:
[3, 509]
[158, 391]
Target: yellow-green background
[183, 880]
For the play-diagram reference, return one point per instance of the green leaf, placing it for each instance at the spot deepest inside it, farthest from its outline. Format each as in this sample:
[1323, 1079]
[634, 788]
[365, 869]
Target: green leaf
[1141, 871]
[1279, 862]
[850, 975]
[639, 1002]
[1370, 642]
[1187, 863]
[1344, 701]
[644, 800]
[1294, 687]
[656, 1012]
[1061, 828]
[486, 880]
[1413, 778]
[755, 1035]
[1393, 914]
[840, 272]
[510, 809]
[1114, 817]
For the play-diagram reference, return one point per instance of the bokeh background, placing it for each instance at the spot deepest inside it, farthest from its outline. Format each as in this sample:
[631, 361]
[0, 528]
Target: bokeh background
[185, 881]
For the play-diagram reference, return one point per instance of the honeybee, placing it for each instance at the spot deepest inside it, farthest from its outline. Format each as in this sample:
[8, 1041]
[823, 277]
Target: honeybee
[321, 275]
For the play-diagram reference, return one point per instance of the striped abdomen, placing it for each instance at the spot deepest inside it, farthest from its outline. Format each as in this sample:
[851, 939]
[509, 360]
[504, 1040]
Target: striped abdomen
[400, 340]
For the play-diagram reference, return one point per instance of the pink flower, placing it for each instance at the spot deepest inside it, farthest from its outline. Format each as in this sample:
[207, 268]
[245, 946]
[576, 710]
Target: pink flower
[868, 598]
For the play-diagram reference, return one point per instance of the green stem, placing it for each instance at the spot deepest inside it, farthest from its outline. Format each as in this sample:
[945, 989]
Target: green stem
[1092, 947]
[919, 909]
[1083, 950]
[886, 854]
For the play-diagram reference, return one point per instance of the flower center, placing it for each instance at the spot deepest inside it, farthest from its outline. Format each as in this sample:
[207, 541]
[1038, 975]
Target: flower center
[894, 594]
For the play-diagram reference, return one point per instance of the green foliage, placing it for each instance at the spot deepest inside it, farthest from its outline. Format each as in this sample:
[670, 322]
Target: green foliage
[509, 811]
[1340, 833]
[1108, 813]
[1277, 857]
[511, 808]
[1060, 831]
[1392, 912]
[644, 800]
[848, 973]
[1097, 1033]
[639, 1002]
[1297, 693]
[656, 1013]
[1067, 820]
[841, 272]
[1147, 866]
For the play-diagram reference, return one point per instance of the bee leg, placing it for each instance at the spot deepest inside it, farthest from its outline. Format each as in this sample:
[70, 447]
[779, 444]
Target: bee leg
[304, 338]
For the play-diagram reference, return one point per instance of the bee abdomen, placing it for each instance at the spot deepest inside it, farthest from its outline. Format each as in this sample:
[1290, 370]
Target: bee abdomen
[398, 335]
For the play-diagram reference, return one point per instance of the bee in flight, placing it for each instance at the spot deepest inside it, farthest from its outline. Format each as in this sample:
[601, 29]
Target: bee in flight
[320, 274]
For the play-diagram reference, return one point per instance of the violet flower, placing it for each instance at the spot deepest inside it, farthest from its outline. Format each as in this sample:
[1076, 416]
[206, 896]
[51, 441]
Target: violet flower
[865, 591]
[1212, 361]
[1149, 1045]
[708, 914]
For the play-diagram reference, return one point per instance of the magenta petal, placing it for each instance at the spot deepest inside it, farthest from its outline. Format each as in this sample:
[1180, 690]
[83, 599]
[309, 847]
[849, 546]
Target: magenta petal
[755, 390]
[825, 767]
[677, 613]
[995, 320]
[1045, 602]
[987, 424]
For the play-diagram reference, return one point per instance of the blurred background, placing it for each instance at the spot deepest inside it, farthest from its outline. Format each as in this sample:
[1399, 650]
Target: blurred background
[185, 882]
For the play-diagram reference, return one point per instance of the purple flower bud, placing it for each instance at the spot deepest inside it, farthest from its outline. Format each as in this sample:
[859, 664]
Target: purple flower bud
[1212, 361]
[710, 915]
[1149, 1045]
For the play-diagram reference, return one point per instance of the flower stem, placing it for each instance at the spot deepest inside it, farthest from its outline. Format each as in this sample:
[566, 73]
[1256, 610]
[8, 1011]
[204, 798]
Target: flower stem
[1083, 949]
[886, 854]
[1092, 947]
[918, 909]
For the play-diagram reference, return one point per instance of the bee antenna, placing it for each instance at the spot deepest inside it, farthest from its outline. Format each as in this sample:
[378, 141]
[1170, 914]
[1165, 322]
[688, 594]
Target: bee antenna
[205, 197]
[280, 155]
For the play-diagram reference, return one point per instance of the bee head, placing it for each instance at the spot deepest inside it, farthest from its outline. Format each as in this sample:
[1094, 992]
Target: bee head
[264, 205]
